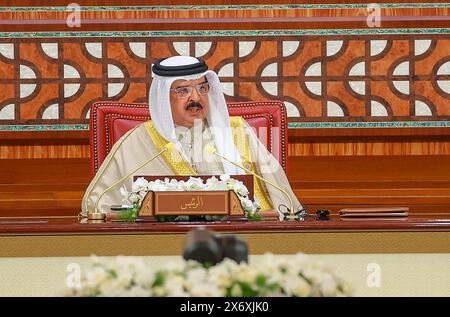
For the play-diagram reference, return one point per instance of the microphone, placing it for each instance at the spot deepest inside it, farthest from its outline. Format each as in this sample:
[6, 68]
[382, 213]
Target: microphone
[97, 215]
[291, 215]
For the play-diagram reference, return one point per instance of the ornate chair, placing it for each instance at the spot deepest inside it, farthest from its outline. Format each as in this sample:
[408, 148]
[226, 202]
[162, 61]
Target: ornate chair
[109, 120]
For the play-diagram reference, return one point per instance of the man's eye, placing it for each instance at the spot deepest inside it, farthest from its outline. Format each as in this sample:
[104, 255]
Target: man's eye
[183, 91]
[204, 88]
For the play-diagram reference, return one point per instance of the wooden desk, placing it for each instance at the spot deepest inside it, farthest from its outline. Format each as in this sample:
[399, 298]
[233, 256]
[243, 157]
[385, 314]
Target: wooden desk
[67, 237]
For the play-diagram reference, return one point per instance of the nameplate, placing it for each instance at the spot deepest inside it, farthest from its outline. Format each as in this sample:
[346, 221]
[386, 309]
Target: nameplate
[163, 203]
[191, 203]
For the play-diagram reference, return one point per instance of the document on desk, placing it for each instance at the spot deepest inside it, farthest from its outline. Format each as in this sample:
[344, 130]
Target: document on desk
[21, 222]
[374, 212]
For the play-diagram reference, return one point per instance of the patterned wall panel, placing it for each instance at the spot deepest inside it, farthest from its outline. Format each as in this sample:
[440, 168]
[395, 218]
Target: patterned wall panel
[402, 77]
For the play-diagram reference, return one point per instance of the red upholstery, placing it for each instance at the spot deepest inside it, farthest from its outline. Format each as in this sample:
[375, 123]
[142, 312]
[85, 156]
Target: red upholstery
[110, 120]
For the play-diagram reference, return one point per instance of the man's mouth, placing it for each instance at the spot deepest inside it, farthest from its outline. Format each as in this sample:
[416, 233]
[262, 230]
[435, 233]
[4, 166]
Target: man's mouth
[194, 107]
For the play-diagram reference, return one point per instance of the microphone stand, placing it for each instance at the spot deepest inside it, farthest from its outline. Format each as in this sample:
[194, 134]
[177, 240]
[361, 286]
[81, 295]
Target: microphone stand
[291, 215]
[96, 212]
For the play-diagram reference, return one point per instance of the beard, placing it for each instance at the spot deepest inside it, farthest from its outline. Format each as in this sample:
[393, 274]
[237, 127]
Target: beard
[194, 104]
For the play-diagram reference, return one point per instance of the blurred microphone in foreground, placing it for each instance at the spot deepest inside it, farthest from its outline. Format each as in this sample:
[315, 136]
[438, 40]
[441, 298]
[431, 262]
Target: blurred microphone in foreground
[210, 248]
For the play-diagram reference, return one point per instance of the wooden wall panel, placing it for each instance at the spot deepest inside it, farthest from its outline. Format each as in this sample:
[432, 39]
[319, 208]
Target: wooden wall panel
[369, 141]
[216, 15]
[370, 148]
[419, 37]
[56, 186]
[326, 78]
[302, 142]
[335, 182]
[44, 144]
[297, 149]
[38, 3]
[35, 187]
[44, 151]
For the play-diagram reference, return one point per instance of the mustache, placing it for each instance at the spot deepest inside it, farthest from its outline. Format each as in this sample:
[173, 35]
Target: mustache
[194, 104]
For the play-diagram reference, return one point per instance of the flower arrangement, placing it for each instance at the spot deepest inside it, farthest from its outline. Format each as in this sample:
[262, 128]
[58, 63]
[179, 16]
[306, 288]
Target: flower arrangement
[141, 186]
[272, 276]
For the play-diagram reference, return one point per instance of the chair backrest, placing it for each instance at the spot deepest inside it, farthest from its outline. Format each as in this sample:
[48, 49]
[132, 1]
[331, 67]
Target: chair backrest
[110, 120]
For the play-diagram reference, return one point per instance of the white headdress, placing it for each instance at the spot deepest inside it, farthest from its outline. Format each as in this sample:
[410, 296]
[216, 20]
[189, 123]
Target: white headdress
[190, 68]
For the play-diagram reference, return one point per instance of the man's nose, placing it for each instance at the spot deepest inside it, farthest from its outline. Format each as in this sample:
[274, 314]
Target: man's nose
[194, 95]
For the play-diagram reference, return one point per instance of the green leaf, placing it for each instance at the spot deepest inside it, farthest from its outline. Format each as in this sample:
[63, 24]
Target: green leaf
[165, 218]
[208, 264]
[228, 291]
[254, 217]
[247, 291]
[261, 280]
[159, 279]
[128, 215]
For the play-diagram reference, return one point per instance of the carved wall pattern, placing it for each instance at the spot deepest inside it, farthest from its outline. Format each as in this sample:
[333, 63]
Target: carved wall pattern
[320, 78]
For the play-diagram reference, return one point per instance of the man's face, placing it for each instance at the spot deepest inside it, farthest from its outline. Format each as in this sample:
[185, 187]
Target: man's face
[189, 101]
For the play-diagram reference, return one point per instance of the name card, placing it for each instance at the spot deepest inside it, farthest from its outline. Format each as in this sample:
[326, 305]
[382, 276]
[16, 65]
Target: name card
[191, 203]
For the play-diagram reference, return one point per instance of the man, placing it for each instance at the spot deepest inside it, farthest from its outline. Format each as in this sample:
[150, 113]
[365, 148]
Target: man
[188, 109]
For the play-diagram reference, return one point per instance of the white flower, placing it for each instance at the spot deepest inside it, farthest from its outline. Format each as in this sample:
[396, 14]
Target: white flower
[130, 263]
[157, 186]
[96, 276]
[174, 286]
[219, 275]
[206, 289]
[134, 198]
[246, 274]
[224, 177]
[328, 285]
[220, 185]
[172, 186]
[139, 184]
[97, 260]
[247, 204]
[230, 265]
[181, 186]
[194, 183]
[124, 192]
[112, 288]
[175, 266]
[275, 277]
[195, 276]
[236, 290]
[211, 183]
[124, 278]
[301, 259]
[138, 291]
[145, 276]
[159, 291]
[196, 273]
[150, 185]
[296, 286]
[283, 276]
[240, 189]
[312, 274]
